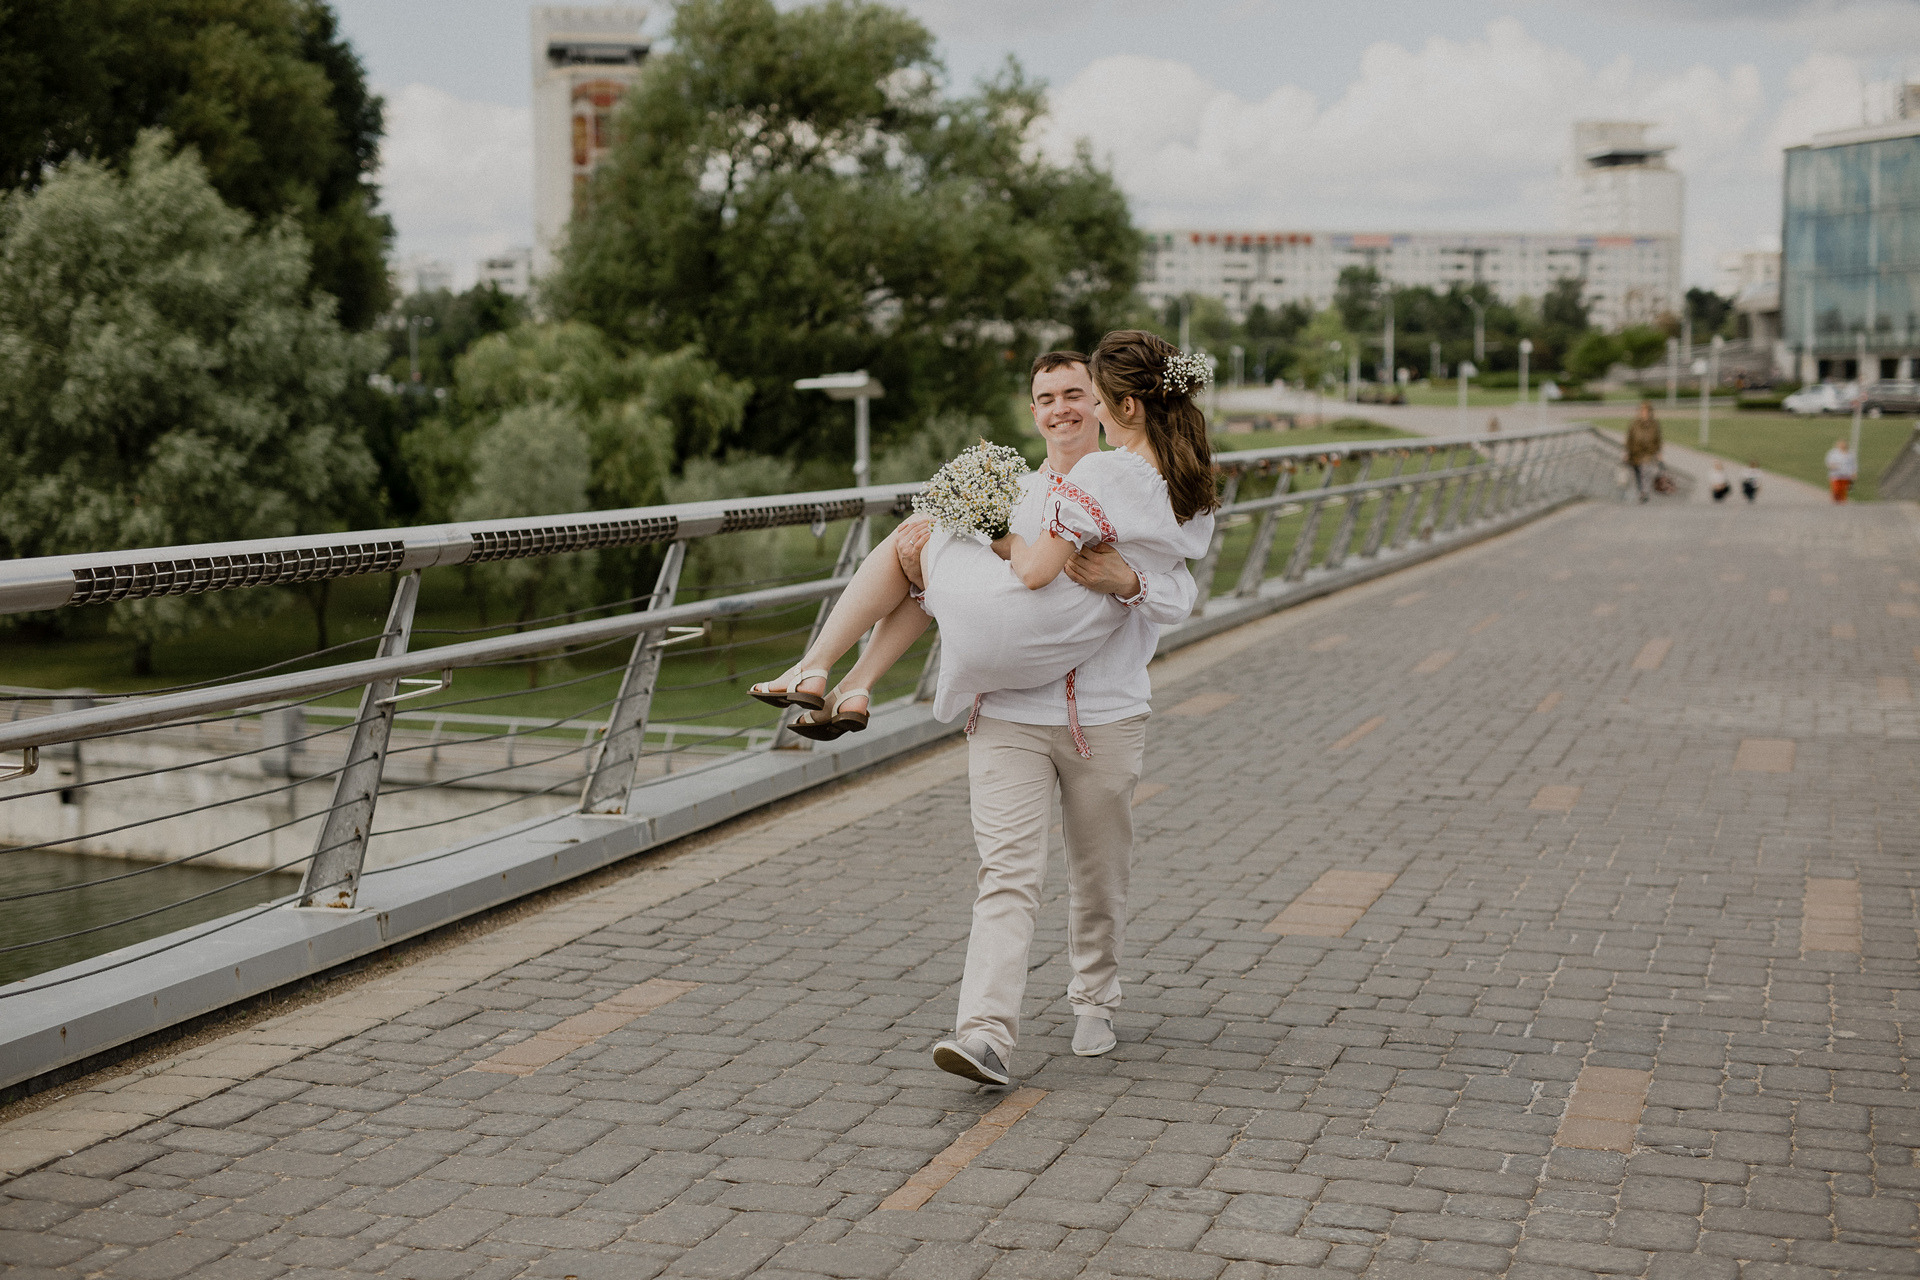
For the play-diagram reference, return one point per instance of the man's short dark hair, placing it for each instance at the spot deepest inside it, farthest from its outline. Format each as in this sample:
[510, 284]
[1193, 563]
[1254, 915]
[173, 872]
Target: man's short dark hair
[1048, 361]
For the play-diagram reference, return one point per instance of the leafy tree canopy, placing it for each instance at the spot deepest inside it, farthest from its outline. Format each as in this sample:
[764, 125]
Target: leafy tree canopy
[445, 325]
[271, 96]
[165, 375]
[794, 194]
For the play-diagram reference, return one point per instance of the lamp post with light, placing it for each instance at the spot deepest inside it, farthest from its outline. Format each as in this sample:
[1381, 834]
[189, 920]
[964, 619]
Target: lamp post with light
[1467, 370]
[859, 387]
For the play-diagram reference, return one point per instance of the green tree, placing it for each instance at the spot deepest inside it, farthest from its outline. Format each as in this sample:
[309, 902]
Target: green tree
[267, 91]
[1315, 360]
[793, 193]
[166, 377]
[1642, 345]
[446, 324]
[1592, 356]
[1711, 312]
[532, 461]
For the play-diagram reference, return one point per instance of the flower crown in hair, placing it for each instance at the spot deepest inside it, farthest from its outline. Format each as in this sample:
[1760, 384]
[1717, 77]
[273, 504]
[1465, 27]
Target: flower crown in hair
[1186, 374]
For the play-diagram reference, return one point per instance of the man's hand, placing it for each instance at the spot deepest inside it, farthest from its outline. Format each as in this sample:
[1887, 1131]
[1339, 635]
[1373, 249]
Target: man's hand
[909, 541]
[1101, 568]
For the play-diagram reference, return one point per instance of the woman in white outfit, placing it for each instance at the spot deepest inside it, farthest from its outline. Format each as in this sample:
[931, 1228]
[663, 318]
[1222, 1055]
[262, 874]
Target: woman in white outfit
[1009, 619]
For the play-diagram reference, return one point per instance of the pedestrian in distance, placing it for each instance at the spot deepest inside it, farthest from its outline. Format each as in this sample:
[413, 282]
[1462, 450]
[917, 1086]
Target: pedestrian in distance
[1750, 481]
[1643, 449]
[1718, 483]
[1841, 469]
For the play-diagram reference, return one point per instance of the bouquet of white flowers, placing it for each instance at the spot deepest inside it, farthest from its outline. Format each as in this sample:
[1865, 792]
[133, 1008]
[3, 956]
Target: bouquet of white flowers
[975, 492]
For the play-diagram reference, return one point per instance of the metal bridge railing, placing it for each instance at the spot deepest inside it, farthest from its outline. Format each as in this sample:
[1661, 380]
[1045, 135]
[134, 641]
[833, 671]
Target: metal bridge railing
[252, 775]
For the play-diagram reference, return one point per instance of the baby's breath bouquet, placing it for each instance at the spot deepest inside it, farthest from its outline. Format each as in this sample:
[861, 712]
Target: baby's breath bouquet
[975, 492]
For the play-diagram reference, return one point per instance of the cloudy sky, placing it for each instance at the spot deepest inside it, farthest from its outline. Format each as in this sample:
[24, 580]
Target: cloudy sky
[1309, 114]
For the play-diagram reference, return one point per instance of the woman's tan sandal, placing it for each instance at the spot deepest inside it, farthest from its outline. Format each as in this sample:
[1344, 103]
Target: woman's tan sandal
[851, 721]
[824, 726]
[786, 694]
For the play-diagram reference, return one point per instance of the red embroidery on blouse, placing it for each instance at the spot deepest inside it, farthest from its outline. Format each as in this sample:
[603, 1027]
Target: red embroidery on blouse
[1062, 486]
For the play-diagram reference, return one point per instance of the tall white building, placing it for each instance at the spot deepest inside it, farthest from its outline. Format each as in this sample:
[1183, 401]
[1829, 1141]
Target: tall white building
[1620, 203]
[585, 57]
[418, 273]
[1617, 183]
[510, 271]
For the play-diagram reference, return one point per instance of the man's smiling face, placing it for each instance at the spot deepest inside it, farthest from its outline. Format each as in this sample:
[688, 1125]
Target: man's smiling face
[1064, 409]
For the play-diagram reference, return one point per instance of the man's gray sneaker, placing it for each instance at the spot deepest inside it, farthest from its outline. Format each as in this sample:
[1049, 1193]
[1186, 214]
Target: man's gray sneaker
[1092, 1036]
[975, 1060]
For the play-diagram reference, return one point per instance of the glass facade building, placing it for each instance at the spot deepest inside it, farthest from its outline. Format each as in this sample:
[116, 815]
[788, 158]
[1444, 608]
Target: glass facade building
[1850, 261]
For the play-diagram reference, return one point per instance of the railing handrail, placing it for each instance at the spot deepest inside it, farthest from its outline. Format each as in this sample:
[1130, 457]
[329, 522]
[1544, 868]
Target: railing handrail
[52, 582]
[163, 708]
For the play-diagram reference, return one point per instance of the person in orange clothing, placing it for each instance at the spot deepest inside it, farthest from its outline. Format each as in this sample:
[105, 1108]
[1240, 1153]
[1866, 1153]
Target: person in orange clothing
[1842, 467]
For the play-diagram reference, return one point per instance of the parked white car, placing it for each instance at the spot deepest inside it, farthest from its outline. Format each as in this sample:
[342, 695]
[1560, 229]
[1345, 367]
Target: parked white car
[1822, 397]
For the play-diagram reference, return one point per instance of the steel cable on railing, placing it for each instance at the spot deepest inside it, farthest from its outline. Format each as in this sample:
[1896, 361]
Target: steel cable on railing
[192, 764]
[614, 604]
[573, 781]
[181, 813]
[775, 665]
[111, 924]
[9, 991]
[204, 684]
[517, 731]
[242, 714]
[484, 773]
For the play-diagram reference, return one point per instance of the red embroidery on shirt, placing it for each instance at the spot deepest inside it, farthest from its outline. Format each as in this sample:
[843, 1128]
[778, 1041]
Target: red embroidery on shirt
[1060, 485]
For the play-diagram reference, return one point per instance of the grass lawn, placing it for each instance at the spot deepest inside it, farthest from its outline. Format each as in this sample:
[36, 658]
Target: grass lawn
[1786, 443]
[1448, 396]
[1306, 435]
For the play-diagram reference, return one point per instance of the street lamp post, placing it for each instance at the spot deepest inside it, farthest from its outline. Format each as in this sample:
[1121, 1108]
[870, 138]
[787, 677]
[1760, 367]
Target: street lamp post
[1386, 341]
[1859, 394]
[1673, 372]
[859, 387]
[1700, 371]
[1479, 330]
[1467, 370]
[1526, 349]
[1433, 362]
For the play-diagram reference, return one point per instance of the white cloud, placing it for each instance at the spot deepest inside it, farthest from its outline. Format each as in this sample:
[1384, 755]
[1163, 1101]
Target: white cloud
[457, 176]
[1455, 133]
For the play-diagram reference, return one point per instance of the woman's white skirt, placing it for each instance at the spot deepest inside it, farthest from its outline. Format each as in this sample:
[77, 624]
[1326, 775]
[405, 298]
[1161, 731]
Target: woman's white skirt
[997, 634]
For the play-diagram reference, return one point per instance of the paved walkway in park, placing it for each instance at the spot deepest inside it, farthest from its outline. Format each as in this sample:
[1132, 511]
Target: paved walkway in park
[1548, 910]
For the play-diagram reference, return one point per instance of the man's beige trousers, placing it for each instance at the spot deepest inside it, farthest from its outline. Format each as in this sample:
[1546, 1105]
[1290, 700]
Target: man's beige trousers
[1012, 770]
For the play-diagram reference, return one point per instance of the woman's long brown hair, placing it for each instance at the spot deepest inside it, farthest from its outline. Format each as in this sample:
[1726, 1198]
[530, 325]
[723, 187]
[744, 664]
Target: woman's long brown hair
[1132, 362]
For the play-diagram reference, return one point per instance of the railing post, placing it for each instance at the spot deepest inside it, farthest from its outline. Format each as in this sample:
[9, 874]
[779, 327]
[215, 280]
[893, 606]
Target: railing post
[1254, 571]
[1378, 528]
[1415, 497]
[1302, 558]
[1337, 553]
[785, 739]
[929, 682]
[1203, 572]
[1451, 517]
[1482, 505]
[333, 877]
[617, 763]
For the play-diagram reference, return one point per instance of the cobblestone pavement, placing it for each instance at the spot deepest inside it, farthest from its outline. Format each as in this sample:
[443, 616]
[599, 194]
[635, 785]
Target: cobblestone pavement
[1547, 911]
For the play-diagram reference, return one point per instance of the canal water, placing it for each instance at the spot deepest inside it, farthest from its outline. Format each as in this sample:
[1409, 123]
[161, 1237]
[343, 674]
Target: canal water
[26, 920]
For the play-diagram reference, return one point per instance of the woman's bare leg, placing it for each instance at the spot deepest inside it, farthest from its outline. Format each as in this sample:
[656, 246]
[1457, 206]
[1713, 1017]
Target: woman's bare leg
[878, 588]
[891, 640]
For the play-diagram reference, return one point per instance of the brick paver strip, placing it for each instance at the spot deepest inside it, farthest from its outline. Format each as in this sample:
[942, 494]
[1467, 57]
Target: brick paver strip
[1356, 733]
[1894, 689]
[1764, 755]
[1556, 797]
[563, 1037]
[963, 1150]
[1604, 1109]
[1408, 1100]
[1830, 916]
[1333, 905]
[1844, 631]
[1548, 703]
[1903, 609]
[1483, 624]
[1203, 704]
[1146, 791]
[1435, 661]
[1652, 654]
[1327, 643]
